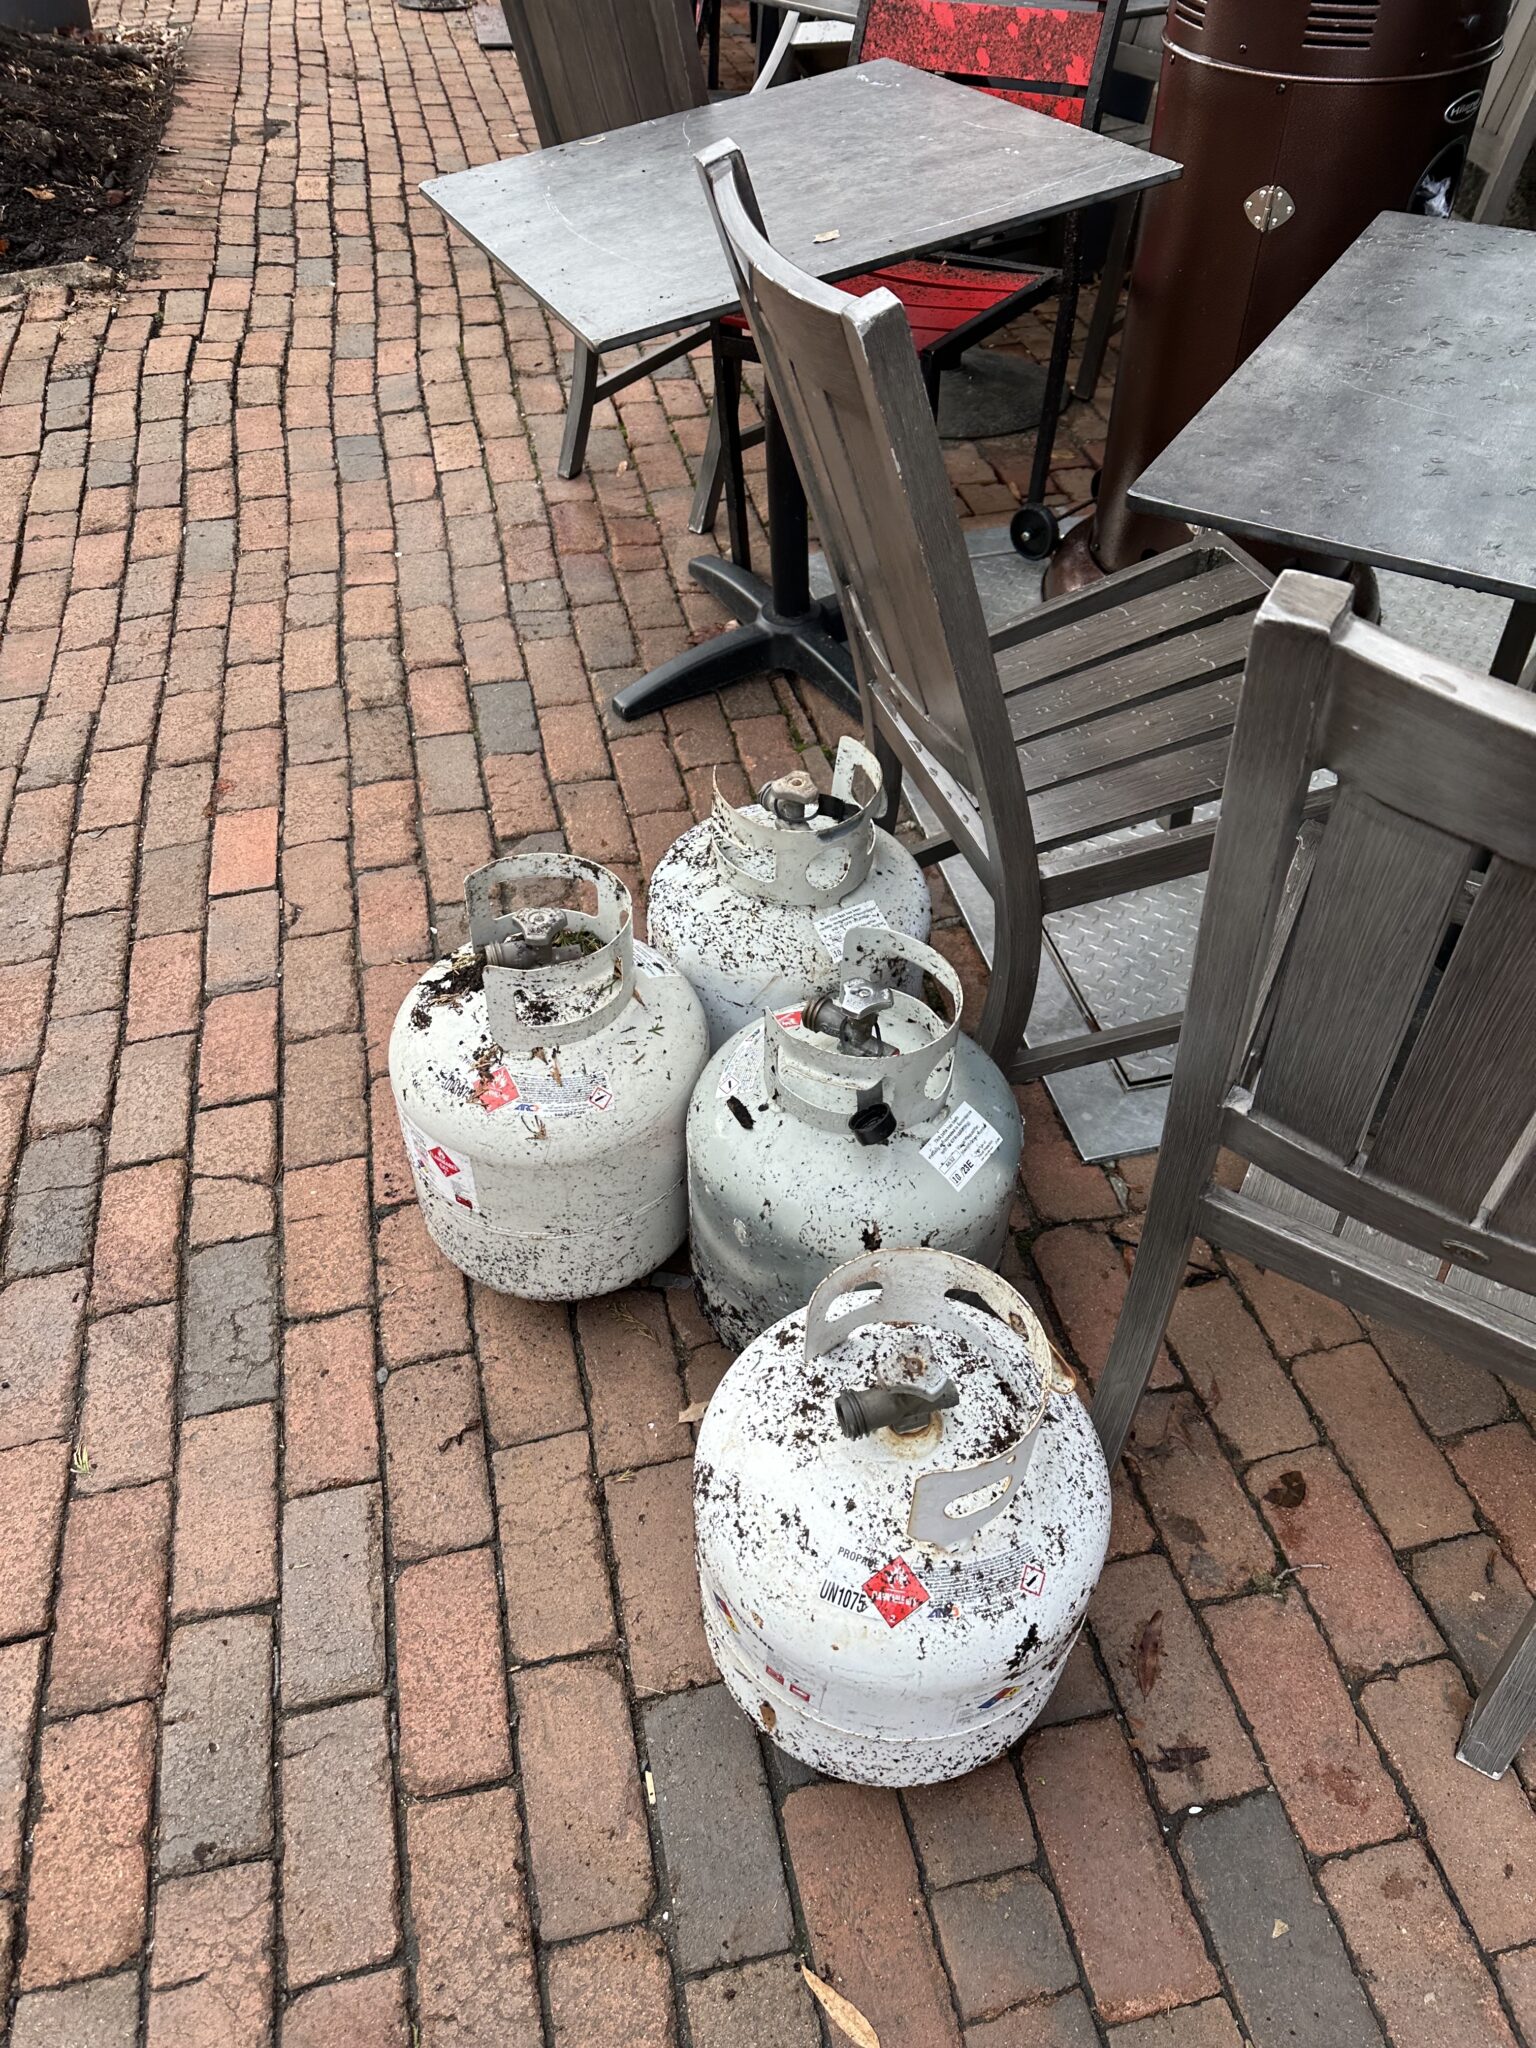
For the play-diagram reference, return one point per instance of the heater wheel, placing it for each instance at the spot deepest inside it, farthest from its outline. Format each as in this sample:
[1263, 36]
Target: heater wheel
[1035, 532]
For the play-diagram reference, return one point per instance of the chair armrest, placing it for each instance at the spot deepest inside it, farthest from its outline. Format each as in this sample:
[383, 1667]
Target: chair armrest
[778, 56]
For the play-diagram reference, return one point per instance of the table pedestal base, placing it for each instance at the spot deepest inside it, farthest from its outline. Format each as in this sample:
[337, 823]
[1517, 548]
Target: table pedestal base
[808, 644]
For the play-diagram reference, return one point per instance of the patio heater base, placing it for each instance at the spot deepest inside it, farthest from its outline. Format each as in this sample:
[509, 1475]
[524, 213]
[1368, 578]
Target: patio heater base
[990, 393]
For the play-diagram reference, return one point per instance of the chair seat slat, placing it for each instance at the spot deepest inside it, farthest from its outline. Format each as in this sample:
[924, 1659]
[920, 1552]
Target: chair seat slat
[1119, 679]
[1140, 621]
[1204, 711]
[1128, 794]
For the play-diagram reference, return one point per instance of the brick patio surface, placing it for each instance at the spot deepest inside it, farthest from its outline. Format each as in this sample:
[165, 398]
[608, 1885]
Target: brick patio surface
[352, 1686]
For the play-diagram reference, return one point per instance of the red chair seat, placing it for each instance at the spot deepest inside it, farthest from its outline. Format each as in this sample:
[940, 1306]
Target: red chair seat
[937, 297]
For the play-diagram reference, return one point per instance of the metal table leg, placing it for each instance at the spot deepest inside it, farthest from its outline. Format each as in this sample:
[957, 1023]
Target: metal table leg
[782, 625]
[1515, 643]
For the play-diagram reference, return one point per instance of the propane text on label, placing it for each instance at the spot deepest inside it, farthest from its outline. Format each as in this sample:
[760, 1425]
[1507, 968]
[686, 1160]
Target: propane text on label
[962, 1145]
[544, 1091]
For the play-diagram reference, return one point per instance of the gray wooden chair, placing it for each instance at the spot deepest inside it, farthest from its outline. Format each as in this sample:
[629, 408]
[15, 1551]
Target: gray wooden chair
[588, 66]
[1380, 1077]
[1102, 710]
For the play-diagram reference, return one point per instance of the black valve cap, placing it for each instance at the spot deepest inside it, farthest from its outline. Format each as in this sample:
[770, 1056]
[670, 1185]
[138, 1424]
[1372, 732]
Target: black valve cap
[863, 1410]
[874, 1124]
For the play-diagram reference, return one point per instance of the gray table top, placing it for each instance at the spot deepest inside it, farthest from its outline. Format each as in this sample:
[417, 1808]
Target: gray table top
[1390, 419]
[853, 169]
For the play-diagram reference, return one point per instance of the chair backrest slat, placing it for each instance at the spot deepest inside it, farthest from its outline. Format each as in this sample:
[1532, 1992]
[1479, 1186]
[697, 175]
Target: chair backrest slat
[1376, 909]
[592, 65]
[1050, 59]
[845, 380]
[1468, 1087]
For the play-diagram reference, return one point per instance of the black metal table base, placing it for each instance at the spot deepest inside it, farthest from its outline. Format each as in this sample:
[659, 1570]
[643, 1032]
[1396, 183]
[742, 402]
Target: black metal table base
[809, 644]
[781, 625]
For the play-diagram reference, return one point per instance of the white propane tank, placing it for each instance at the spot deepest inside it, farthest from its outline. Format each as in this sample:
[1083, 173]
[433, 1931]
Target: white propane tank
[543, 1089]
[902, 1511]
[752, 905]
[858, 1120]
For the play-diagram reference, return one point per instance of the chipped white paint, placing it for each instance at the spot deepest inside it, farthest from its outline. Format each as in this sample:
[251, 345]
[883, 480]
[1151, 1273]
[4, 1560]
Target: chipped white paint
[780, 1187]
[752, 904]
[543, 1104]
[895, 1609]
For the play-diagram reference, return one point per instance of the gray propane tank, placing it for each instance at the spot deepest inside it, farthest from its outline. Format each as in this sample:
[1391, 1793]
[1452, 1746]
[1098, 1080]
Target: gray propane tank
[543, 1084]
[902, 1511]
[752, 904]
[859, 1119]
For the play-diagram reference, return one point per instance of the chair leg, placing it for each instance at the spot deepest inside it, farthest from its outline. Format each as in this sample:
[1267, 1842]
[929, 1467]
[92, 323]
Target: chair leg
[929, 364]
[705, 508]
[1052, 400]
[1155, 1281]
[727, 422]
[890, 780]
[1504, 1712]
[578, 414]
[1107, 304]
[1011, 983]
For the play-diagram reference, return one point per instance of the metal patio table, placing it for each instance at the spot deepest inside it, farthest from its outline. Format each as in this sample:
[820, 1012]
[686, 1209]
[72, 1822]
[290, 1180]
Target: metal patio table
[854, 169]
[1389, 419]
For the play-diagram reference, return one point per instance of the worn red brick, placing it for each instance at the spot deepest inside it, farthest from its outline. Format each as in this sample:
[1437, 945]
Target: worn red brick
[1423, 1974]
[449, 1676]
[1398, 1466]
[330, 1430]
[109, 1628]
[33, 1478]
[975, 1826]
[327, 1255]
[225, 1553]
[1140, 1947]
[1214, 1537]
[421, 1297]
[435, 1466]
[612, 1987]
[590, 1848]
[474, 1973]
[125, 1418]
[21, 1675]
[650, 1521]
[1325, 1769]
[359, 2012]
[1246, 1393]
[1294, 1318]
[1085, 1276]
[90, 1859]
[528, 1368]
[244, 852]
[1482, 1831]
[137, 1232]
[211, 1965]
[338, 1905]
[40, 1343]
[1169, 1689]
[238, 1058]
[1060, 1186]
[552, 1558]
[636, 1394]
[863, 1908]
[1367, 1608]
[1499, 1467]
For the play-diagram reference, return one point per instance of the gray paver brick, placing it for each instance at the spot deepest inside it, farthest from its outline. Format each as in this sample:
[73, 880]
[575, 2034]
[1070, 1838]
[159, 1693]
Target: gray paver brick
[101, 2014]
[215, 1754]
[729, 1902]
[229, 1348]
[1295, 1988]
[761, 2005]
[333, 1596]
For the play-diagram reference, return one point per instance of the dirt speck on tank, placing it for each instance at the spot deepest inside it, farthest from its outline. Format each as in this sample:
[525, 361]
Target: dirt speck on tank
[752, 905]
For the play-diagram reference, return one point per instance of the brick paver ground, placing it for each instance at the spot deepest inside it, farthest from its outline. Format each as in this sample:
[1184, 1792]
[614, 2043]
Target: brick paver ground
[352, 1691]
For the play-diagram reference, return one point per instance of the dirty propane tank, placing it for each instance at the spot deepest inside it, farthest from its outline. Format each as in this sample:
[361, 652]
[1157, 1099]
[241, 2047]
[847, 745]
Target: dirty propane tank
[752, 904]
[861, 1119]
[902, 1512]
[543, 1089]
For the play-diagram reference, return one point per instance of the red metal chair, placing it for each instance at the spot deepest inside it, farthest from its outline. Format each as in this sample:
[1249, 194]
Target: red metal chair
[1054, 60]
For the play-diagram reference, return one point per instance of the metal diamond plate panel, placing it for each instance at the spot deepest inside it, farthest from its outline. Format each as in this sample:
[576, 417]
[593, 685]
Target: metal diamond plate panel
[1130, 958]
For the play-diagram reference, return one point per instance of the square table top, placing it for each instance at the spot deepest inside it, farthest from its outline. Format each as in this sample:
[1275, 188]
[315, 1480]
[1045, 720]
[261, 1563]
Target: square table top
[1390, 418]
[853, 169]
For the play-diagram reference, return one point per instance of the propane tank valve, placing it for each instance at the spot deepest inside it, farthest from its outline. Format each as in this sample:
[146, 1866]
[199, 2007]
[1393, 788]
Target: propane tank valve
[793, 799]
[527, 940]
[906, 1410]
[852, 1016]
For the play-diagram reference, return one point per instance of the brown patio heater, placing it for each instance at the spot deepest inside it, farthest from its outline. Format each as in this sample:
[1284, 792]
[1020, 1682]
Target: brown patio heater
[1297, 122]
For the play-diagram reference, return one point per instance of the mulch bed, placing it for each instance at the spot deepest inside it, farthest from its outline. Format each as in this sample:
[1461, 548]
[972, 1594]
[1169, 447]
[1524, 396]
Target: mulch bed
[80, 126]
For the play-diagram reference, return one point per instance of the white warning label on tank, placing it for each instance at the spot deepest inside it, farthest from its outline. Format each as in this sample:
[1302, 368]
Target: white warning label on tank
[757, 1658]
[742, 1074]
[835, 925]
[545, 1091]
[440, 1169]
[962, 1145]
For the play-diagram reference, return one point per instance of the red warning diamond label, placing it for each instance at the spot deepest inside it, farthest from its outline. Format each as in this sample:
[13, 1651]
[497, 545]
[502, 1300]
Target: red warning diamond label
[896, 1591]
